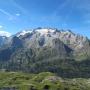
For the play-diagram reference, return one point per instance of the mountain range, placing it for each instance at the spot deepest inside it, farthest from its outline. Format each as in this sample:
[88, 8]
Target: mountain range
[46, 49]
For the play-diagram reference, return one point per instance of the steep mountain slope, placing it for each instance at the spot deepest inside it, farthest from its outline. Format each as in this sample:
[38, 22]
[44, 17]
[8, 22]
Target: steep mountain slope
[44, 37]
[47, 49]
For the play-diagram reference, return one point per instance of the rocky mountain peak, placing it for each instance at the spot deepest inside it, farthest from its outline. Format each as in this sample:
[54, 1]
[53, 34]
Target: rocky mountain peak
[75, 41]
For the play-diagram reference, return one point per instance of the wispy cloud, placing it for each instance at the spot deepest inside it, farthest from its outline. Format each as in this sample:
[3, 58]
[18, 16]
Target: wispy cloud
[84, 7]
[5, 12]
[10, 16]
[57, 15]
[81, 8]
[61, 7]
[19, 7]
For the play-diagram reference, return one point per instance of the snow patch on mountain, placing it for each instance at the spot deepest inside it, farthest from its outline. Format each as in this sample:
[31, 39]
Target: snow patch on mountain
[45, 31]
[23, 33]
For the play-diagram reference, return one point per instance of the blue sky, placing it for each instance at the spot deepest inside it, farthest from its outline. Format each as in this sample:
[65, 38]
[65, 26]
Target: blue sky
[16, 15]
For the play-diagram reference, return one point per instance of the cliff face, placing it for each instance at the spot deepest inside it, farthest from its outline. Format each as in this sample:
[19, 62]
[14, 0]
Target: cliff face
[46, 49]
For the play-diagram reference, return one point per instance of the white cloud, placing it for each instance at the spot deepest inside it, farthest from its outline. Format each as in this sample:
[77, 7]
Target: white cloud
[18, 14]
[1, 26]
[4, 33]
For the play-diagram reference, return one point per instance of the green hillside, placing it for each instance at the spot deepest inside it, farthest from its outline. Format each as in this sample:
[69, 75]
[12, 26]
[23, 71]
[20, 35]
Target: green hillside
[41, 81]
